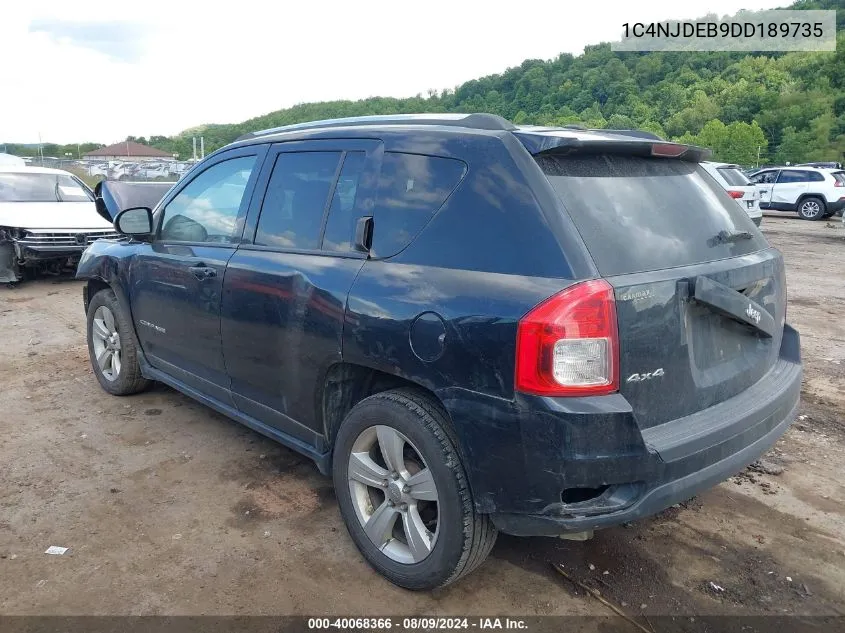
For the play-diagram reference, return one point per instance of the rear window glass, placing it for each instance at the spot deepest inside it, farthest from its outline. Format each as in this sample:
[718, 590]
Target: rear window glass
[839, 176]
[638, 214]
[733, 176]
[411, 189]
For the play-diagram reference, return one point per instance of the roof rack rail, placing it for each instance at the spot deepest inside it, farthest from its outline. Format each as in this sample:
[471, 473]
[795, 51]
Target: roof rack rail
[479, 121]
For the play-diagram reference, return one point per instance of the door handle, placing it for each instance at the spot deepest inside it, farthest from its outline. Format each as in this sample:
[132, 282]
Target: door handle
[364, 234]
[203, 272]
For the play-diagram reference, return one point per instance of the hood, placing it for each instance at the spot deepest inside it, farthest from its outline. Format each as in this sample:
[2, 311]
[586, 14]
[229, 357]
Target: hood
[51, 215]
[113, 196]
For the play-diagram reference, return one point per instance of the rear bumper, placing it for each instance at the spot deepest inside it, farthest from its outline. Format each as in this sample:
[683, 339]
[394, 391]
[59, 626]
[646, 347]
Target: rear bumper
[836, 206]
[561, 520]
[632, 473]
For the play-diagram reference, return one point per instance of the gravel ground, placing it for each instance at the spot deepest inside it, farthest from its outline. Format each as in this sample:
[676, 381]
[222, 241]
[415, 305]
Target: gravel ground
[169, 508]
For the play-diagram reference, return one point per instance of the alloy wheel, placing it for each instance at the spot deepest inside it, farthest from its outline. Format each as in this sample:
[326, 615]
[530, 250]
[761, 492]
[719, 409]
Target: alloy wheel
[810, 209]
[106, 340]
[394, 494]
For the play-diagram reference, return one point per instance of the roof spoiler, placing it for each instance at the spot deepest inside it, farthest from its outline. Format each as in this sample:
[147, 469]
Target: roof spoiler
[611, 142]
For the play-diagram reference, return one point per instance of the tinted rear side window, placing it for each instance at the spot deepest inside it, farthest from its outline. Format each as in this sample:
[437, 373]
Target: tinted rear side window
[411, 189]
[638, 214]
[340, 226]
[816, 177]
[733, 176]
[292, 211]
[787, 176]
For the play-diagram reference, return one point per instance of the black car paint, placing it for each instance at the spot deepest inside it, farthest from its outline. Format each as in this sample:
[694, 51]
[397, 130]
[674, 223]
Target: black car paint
[442, 314]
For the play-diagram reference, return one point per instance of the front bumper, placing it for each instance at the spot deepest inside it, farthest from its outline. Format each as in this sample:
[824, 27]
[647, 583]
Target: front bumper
[630, 473]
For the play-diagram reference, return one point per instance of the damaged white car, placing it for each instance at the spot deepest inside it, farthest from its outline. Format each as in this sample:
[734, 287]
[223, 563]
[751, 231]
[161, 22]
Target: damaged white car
[47, 218]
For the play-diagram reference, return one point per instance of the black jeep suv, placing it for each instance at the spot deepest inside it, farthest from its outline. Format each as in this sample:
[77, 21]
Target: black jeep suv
[473, 326]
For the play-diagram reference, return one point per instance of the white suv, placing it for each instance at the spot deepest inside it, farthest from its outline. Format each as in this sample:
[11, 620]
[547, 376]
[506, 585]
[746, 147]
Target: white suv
[813, 192]
[738, 187]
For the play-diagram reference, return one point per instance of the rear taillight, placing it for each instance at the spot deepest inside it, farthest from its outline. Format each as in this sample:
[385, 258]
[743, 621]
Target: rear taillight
[569, 344]
[838, 183]
[736, 194]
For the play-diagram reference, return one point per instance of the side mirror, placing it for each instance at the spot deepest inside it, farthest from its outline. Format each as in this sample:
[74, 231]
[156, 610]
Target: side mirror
[137, 222]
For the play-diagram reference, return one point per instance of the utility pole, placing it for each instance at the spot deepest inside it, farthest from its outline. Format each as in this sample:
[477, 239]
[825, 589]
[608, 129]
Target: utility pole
[194, 139]
[202, 147]
[758, 155]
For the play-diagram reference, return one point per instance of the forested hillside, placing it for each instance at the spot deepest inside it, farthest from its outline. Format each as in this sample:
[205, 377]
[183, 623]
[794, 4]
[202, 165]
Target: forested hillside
[790, 107]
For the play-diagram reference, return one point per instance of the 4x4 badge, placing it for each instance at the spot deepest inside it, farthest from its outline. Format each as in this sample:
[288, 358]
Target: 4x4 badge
[657, 373]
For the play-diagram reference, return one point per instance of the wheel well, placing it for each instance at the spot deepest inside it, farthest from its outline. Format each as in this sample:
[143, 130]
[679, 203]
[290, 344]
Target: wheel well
[347, 384]
[94, 286]
[804, 196]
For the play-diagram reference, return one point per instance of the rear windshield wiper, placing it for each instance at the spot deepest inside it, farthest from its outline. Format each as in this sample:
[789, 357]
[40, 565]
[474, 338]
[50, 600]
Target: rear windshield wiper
[727, 237]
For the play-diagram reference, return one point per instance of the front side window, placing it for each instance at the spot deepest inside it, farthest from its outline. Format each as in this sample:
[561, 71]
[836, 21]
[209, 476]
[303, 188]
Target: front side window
[41, 187]
[207, 209]
[766, 177]
[292, 211]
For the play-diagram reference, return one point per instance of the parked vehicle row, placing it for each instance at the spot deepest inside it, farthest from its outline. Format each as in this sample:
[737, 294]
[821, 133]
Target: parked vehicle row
[472, 326]
[144, 170]
[812, 192]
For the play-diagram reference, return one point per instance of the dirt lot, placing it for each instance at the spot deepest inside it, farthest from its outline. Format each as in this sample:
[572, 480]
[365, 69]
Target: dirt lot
[168, 508]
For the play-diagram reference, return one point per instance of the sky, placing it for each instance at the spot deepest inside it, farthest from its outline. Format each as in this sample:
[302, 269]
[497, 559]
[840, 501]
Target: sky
[76, 72]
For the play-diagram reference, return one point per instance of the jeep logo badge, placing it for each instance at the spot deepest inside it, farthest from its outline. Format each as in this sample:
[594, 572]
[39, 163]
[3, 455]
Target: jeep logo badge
[752, 314]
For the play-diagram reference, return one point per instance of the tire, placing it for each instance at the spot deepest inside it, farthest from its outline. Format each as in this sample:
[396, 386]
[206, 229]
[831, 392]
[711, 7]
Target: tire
[121, 378]
[462, 538]
[812, 208]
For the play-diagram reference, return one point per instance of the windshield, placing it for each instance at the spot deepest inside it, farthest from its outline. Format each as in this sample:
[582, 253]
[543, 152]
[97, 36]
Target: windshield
[637, 214]
[733, 176]
[35, 187]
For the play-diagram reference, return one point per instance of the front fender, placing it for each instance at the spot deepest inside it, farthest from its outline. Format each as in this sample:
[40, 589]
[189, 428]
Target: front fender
[107, 263]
